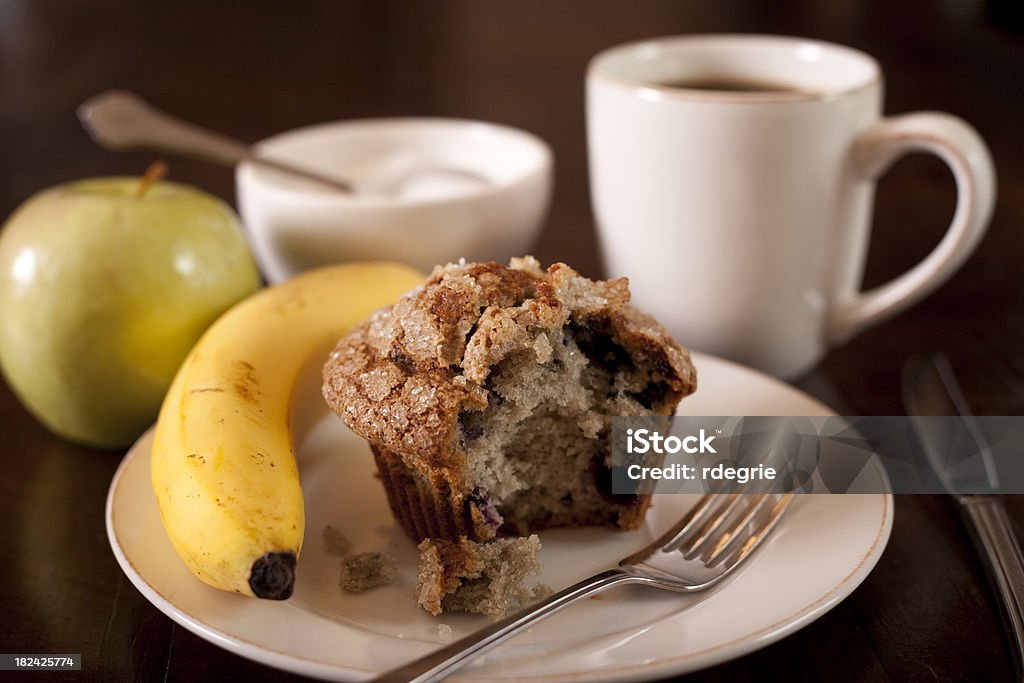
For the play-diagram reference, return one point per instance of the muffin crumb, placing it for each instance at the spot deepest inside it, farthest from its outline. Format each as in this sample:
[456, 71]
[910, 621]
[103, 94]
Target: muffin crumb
[335, 542]
[485, 578]
[363, 571]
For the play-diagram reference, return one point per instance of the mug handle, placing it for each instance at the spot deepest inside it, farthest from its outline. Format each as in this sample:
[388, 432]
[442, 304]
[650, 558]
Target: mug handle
[959, 145]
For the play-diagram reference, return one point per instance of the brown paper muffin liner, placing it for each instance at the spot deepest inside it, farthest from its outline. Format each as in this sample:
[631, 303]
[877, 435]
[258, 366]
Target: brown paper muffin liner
[425, 505]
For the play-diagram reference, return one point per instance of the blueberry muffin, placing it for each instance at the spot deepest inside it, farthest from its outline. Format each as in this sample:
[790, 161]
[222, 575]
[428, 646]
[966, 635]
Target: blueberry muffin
[487, 396]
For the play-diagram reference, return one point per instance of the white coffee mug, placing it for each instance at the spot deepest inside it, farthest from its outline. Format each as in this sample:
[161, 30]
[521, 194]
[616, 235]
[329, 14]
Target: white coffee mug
[732, 179]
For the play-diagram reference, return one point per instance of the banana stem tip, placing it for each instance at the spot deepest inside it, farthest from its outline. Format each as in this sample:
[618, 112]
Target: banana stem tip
[273, 576]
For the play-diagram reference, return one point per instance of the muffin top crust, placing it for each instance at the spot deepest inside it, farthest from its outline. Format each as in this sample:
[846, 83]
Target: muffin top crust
[403, 378]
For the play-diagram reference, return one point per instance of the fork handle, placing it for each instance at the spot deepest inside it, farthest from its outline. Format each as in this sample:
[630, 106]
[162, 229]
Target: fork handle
[444, 662]
[1002, 556]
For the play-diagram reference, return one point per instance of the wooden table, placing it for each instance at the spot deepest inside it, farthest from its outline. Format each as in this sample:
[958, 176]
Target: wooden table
[258, 68]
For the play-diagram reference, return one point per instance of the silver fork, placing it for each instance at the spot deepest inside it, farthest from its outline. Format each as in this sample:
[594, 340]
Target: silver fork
[714, 538]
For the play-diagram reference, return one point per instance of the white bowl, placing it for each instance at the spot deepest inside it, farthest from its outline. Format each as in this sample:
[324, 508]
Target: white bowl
[295, 225]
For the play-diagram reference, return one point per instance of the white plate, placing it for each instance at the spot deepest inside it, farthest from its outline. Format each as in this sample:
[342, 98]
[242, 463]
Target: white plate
[823, 550]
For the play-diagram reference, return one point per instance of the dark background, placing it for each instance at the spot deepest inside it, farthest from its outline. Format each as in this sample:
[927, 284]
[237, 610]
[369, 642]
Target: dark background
[252, 69]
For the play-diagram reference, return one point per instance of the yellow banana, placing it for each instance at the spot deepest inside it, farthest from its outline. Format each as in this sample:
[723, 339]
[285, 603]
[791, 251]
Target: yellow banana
[223, 464]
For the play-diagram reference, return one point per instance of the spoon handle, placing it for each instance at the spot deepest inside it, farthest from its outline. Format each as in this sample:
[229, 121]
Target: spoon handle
[121, 120]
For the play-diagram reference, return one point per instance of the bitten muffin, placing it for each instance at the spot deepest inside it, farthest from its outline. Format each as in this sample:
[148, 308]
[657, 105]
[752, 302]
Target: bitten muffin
[487, 396]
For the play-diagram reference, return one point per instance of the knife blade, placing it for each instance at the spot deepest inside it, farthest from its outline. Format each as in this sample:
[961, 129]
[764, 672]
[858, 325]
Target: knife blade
[960, 455]
[956, 447]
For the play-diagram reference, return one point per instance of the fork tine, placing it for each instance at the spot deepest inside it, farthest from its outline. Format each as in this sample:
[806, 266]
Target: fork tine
[725, 540]
[738, 493]
[695, 518]
[738, 551]
[724, 526]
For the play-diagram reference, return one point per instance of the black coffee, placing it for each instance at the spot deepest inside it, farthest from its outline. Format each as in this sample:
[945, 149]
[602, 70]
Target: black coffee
[730, 84]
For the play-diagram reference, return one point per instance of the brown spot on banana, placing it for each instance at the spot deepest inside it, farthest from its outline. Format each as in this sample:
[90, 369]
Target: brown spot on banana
[246, 382]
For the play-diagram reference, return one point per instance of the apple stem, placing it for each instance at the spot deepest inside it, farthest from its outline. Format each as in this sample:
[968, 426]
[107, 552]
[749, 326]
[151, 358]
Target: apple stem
[155, 172]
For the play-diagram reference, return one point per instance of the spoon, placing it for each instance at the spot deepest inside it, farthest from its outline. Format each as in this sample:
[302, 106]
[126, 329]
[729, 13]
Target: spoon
[122, 121]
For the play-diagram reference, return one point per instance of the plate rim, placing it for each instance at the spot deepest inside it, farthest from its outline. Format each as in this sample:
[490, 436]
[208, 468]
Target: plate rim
[660, 667]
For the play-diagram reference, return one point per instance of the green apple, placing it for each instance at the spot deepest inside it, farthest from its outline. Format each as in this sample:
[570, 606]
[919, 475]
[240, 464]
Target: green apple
[105, 285]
